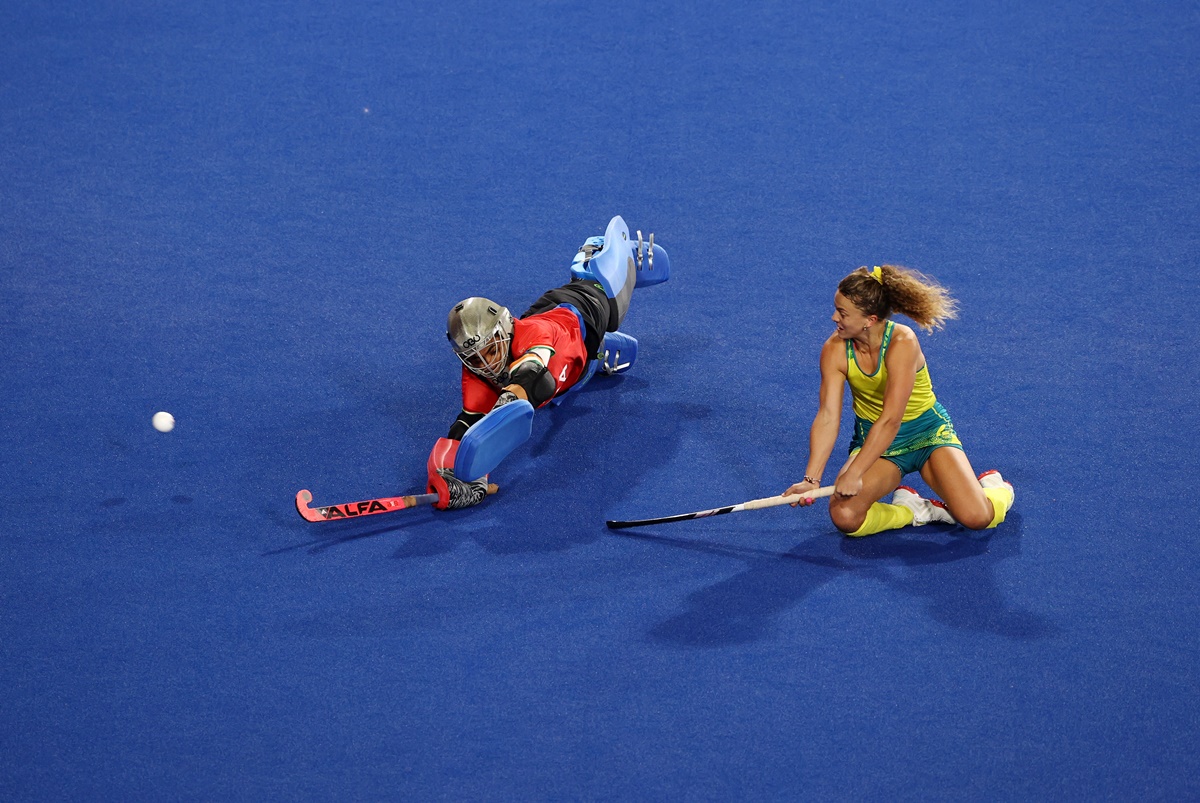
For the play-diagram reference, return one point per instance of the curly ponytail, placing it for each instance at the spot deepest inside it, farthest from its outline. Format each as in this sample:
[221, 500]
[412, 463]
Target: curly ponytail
[885, 289]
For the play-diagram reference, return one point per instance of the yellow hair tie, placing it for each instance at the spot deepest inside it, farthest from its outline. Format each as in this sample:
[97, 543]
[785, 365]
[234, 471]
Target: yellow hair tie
[877, 274]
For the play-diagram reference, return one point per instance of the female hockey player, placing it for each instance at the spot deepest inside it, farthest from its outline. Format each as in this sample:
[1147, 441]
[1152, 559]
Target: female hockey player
[900, 427]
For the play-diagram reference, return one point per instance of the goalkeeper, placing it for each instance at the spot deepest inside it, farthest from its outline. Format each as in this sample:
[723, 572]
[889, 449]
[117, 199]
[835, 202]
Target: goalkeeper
[554, 347]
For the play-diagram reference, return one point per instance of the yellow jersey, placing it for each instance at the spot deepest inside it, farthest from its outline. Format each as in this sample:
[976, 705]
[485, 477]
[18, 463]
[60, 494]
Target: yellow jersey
[867, 389]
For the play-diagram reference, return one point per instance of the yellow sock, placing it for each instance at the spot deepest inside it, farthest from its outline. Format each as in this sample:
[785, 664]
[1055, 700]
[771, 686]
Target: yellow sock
[1002, 499]
[882, 516]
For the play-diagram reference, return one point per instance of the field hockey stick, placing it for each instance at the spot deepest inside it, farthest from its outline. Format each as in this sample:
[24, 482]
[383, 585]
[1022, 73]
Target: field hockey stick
[753, 504]
[367, 507]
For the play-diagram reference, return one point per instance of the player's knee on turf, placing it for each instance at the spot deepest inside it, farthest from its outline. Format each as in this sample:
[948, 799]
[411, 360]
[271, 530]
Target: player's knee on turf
[974, 519]
[844, 516]
[978, 516]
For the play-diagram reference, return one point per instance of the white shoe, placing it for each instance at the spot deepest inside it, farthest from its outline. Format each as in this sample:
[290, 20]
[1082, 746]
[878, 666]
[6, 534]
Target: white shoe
[992, 479]
[924, 510]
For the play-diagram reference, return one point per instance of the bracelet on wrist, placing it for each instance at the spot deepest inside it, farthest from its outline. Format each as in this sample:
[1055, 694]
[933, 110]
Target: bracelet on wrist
[810, 479]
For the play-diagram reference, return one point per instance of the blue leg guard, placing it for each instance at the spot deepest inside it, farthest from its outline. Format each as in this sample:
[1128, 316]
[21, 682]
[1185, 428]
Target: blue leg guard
[617, 355]
[653, 264]
[620, 353]
[612, 266]
[613, 258]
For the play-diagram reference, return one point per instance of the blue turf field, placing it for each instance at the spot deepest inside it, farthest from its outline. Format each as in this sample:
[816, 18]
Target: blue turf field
[256, 216]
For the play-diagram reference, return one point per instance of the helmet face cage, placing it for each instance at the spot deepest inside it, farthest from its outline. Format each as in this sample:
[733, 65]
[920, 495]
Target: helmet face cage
[480, 332]
[489, 357]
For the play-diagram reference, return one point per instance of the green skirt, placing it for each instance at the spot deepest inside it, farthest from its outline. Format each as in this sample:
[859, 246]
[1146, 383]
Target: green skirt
[916, 439]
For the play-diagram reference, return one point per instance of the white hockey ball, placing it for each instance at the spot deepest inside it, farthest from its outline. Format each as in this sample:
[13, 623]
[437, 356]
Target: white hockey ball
[163, 422]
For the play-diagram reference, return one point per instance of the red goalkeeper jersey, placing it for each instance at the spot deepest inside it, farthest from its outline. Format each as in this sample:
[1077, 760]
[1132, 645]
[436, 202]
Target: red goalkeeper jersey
[556, 329]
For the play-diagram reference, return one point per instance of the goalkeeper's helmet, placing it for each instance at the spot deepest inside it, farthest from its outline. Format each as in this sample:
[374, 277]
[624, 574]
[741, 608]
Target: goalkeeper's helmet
[481, 333]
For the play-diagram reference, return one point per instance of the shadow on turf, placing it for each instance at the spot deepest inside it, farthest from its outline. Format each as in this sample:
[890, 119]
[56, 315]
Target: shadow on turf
[545, 503]
[320, 544]
[948, 569]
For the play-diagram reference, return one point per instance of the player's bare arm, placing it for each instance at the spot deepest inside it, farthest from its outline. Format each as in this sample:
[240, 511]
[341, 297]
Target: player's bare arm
[827, 422]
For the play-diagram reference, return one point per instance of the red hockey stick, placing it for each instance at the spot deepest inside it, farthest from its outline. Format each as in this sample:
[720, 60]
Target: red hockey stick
[351, 510]
[368, 507]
